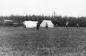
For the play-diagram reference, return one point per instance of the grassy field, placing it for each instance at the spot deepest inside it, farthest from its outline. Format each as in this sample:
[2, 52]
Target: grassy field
[59, 41]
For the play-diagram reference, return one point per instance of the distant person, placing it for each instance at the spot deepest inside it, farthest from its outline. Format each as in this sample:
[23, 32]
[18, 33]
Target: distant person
[46, 25]
[77, 25]
[67, 24]
[38, 25]
[24, 26]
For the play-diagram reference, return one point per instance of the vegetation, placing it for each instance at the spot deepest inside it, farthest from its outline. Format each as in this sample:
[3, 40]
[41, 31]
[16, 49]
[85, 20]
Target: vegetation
[59, 41]
[57, 20]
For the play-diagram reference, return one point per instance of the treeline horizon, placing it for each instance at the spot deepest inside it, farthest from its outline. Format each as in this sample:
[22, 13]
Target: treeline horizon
[57, 20]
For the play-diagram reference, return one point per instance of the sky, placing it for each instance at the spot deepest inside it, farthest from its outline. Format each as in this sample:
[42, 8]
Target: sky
[43, 7]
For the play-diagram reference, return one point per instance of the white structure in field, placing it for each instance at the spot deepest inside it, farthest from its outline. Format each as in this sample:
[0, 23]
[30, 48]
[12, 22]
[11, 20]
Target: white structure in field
[30, 24]
[49, 23]
[7, 22]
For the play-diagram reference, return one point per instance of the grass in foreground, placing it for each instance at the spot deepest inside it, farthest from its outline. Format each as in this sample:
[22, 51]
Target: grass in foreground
[45, 42]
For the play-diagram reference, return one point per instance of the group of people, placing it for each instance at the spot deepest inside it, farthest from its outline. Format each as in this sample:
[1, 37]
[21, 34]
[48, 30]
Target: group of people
[67, 24]
[45, 23]
[38, 25]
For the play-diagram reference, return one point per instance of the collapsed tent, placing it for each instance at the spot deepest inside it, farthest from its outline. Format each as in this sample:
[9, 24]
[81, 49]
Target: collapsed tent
[30, 24]
[48, 23]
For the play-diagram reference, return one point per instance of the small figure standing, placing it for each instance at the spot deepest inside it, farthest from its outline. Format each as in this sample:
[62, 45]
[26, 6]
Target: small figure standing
[77, 25]
[46, 25]
[67, 24]
[38, 25]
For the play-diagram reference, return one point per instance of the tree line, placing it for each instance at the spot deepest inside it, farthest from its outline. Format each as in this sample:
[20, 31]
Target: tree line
[57, 20]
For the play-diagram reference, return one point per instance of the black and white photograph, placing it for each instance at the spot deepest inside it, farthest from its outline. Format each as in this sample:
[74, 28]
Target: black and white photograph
[42, 27]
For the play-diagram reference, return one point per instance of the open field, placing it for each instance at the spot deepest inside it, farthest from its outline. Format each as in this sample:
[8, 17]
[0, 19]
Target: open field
[59, 41]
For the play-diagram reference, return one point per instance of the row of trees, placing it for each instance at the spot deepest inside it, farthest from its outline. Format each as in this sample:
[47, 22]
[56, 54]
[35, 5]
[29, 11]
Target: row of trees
[57, 20]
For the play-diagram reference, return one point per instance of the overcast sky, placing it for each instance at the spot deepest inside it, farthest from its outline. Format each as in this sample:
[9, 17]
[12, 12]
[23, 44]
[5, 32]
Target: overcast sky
[46, 7]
